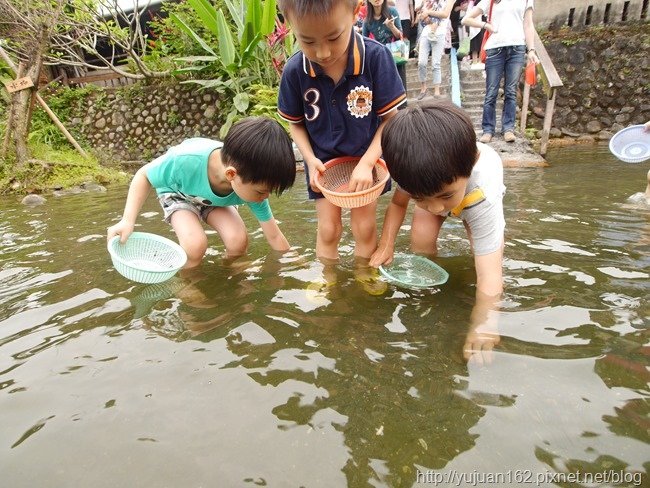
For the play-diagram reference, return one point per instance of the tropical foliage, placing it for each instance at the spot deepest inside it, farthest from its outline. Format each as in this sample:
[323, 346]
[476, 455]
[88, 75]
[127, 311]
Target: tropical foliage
[251, 53]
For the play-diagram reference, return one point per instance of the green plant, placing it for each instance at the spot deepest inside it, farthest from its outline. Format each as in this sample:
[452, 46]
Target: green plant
[55, 168]
[173, 119]
[240, 57]
[132, 92]
[570, 42]
[64, 102]
[5, 77]
[264, 101]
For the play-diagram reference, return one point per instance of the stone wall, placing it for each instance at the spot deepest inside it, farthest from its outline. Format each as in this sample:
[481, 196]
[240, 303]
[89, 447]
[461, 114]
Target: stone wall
[577, 13]
[605, 70]
[142, 122]
[606, 76]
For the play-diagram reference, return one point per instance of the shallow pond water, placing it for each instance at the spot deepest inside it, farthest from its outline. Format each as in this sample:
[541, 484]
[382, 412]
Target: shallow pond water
[271, 371]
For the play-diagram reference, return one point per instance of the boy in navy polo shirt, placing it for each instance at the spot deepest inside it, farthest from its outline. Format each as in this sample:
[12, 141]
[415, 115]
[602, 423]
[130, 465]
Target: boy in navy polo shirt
[336, 93]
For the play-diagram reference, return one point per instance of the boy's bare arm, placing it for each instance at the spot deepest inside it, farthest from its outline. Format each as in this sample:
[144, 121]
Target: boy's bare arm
[362, 175]
[483, 332]
[138, 192]
[300, 136]
[489, 273]
[393, 220]
[274, 235]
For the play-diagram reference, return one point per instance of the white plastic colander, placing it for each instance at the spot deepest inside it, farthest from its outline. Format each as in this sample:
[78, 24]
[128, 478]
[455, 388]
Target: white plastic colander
[146, 258]
[631, 145]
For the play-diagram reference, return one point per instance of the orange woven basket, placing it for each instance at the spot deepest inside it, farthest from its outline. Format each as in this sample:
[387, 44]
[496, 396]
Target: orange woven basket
[333, 182]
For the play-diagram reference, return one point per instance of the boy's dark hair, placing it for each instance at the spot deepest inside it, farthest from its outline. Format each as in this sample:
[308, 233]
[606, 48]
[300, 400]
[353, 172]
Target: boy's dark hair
[260, 150]
[319, 8]
[428, 146]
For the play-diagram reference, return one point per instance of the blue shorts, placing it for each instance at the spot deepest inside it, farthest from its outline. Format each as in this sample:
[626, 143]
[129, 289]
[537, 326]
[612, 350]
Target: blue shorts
[313, 195]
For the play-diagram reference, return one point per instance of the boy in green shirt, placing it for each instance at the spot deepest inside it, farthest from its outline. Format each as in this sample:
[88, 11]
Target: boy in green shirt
[203, 180]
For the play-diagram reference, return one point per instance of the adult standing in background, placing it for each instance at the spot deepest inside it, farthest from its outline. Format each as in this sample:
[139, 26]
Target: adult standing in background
[406, 9]
[434, 18]
[476, 40]
[512, 39]
[382, 24]
[454, 18]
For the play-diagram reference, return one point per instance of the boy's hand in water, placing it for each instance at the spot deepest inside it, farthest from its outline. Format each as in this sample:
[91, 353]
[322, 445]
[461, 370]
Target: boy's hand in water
[383, 255]
[647, 126]
[122, 228]
[480, 341]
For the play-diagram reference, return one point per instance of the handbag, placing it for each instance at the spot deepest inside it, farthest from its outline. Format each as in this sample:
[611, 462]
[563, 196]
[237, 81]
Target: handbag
[486, 35]
[531, 74]
[400, 50]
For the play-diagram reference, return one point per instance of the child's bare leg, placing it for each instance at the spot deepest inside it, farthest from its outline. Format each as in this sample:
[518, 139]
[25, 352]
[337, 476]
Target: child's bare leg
[425, 228]
[191, 236]
[329, 230]
[364, 229]
[231, 228]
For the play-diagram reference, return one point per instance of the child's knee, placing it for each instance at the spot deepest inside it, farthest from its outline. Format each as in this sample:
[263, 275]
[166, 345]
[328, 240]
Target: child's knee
[330, 231]
[364, 229]
[236, 243]
[423, 242]
[195, 249]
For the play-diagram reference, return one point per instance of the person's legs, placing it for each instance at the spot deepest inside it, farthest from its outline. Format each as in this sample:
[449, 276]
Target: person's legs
[329, 229]
[475, 46]
[425, 228]
[363, 221]
[437, 50]
[493, 74]
[191, 236]
[514, 63]
[231, 228]
[423, 56]
[406, 31]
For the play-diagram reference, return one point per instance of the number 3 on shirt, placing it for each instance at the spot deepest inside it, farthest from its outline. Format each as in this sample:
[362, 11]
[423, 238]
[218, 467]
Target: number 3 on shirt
[312, 96]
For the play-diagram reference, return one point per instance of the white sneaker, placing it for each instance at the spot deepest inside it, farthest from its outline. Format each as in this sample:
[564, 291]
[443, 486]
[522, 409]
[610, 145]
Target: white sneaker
[477, 66]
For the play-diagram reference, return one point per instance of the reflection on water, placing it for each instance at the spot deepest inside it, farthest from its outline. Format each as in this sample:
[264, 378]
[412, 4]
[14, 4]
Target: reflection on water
[275, 370]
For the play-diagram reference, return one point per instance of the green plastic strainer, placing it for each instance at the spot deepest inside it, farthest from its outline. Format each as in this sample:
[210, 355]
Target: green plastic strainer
[414, 271]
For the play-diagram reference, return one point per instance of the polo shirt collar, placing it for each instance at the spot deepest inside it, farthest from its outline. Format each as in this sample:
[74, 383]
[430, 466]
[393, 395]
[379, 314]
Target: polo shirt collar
[356, 58]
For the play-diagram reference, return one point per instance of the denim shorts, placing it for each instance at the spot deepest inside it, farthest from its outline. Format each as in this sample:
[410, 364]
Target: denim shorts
[170, 202]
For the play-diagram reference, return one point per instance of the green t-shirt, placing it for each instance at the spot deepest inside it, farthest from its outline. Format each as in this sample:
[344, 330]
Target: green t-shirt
[183, 169]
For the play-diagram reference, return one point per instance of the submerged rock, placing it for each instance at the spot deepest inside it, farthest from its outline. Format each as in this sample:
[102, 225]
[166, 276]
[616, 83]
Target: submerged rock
[92, 186]
[33, 200]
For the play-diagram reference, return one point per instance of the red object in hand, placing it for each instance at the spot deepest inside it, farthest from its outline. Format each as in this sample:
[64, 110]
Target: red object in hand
[531, 74]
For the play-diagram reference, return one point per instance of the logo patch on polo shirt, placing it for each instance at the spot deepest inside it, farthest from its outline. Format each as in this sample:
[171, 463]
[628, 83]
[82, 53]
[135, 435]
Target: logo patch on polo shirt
[360, 101]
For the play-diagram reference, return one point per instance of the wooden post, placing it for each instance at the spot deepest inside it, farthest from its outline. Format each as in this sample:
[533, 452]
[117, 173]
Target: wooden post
[548, 119]
[9, 128]
[524, 108]
[61, 127]
[49, 112]
[34, 91]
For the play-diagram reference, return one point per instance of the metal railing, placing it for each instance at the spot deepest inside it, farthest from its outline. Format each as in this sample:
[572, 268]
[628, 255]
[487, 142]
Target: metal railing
[550, 83]
[455, 78]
